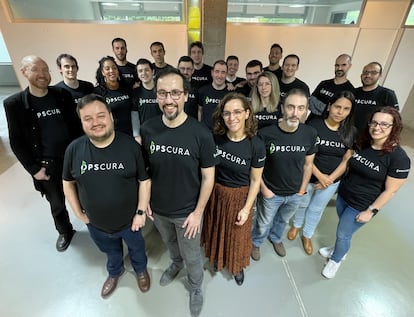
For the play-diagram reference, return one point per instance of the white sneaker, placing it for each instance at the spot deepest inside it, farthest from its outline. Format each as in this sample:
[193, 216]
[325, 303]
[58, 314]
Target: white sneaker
[330, 269]
[326, 252]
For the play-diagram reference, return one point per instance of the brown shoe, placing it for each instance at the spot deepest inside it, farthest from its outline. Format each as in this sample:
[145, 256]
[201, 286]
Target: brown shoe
[292, 233]
[110, 285]
[279, 248]
[143, 281]
[255, 253]
[307, 245]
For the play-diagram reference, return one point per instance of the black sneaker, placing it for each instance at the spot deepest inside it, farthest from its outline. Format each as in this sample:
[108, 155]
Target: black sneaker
[169, 274]
[196, 302]
[239, 278]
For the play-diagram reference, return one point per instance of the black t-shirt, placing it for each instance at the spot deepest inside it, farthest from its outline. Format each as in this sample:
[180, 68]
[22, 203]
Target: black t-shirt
[158, 69]
[209, 99]
[202, 76]
[191, 105]
[366, 102]
[53, 129]
[85, 88]
[107, 179]
[237, 159]
[278, 72]
[285, 157]
[145, 102]
[368, 170]
[235, 81]
[121, 107]
[129, 73]
[175, 157]
[245, 90]
[265, 118]
[297, 83]
[330, 148]
[326, 89]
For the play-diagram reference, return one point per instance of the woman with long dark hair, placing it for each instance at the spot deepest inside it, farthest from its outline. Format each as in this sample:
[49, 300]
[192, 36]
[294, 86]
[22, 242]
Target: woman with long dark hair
[336, 136]
[377, 170]
[227, 224]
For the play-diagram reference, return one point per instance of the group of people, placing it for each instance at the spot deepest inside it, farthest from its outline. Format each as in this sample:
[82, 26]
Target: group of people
[199, 150]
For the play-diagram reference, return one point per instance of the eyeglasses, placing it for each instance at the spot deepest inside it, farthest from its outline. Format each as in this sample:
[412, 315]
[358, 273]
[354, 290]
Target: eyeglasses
[370, 72]
[235, 113]
[175, 94]
[382, 125]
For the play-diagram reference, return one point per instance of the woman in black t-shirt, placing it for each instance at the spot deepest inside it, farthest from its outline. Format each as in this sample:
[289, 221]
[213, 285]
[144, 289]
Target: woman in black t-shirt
[377, 170]
[226, 233]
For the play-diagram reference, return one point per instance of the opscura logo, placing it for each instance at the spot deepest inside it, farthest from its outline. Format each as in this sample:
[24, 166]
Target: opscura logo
[106, 166]
[212, 100]
[170, 149]
[272, 148]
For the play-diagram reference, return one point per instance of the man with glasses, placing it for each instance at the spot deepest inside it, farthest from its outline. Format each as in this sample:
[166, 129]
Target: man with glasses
[180, 153]
[42, 121]
[186, 68]
[371, 95]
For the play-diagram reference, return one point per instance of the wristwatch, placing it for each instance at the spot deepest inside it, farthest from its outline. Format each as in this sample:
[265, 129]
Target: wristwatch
[139, 212]
[374, 210]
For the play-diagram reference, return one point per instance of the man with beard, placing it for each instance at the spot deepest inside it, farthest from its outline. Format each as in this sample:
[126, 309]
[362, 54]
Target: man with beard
[108, 189]
[180, 153]
[127, 69]
[326, 89]
[275, 55]
[42, 121]
[202, 72]
[158, 54]
[290, 149]
[371, 96]
[253, 69]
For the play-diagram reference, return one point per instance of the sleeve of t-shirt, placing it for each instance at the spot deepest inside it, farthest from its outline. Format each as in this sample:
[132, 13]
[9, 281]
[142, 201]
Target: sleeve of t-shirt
[141, 167]
[208, 149]
[314, 138]
[400, 164]
[259, 152]
[67, 164]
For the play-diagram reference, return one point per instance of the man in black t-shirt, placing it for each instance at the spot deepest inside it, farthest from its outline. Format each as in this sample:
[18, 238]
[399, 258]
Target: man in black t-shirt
[202, 72]
[180, 152]
[186, 68]
[275, 55]
[290, 150]
[108, 188]
[253, 69]
[232, 80]
[371, 95]
[42, 121]
[127, 69]
[68, 67]
[158, 54]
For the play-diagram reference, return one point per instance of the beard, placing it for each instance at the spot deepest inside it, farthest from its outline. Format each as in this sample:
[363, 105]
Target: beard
[101, 138]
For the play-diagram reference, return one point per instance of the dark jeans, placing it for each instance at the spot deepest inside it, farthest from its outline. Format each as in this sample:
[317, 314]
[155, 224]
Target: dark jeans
[111, 245]
[53, 191]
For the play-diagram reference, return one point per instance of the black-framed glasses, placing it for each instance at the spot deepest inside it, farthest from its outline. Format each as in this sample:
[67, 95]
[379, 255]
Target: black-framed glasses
[370, 72]
[236, 113]
[382, 125]
[175, 94]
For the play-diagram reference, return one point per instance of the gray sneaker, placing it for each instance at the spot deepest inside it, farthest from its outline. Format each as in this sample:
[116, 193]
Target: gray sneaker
[255, 253]
[169, 274]
[279, 248]
[196, 302]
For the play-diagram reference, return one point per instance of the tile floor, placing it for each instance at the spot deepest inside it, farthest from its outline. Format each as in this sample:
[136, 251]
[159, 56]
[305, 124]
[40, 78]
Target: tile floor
[376, 280]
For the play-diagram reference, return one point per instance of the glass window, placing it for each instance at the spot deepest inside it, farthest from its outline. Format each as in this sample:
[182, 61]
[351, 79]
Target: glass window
[98, 10]
[410, 17]
[294, 12]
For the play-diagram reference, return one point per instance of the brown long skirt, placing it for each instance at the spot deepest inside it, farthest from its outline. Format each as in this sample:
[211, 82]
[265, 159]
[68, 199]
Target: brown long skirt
[225, 242]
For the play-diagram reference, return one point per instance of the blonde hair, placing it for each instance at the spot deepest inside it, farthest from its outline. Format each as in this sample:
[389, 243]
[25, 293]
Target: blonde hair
[274, 94]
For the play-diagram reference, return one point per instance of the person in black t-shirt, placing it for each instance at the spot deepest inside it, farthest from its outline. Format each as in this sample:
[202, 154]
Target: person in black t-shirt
[232, 80]
[275, 55]
[371, 96]
[202, 72]
[265, 99]
[107, 186]
[180, 153]
[253, 69]
[226, 233]
[126, 68]
[289, 80]
[42, 121]
[158, 54]
[377, 170]
[290, 149]
[186, 68]
[68, 67]
[336, 137]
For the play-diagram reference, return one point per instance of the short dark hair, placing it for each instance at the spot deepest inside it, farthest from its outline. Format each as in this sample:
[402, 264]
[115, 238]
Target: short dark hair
[68, 56]
[232, 57]
[172, 71]
[291, 56]
[219, 62]
[375, 63]
[274, 45]
[118, 39]
[87, 99]
[157, 44]
[254, 63]
[144, 61]
[296, 91]
[197, 44]
[186, 59]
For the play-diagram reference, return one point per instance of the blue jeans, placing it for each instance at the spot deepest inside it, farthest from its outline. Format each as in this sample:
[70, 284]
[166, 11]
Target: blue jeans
[310, 212]
[347, 226]
[182, 249]
[272, 216]
[111, 245]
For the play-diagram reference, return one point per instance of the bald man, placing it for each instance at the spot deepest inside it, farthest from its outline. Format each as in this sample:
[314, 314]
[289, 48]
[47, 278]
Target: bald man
[42, 121]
